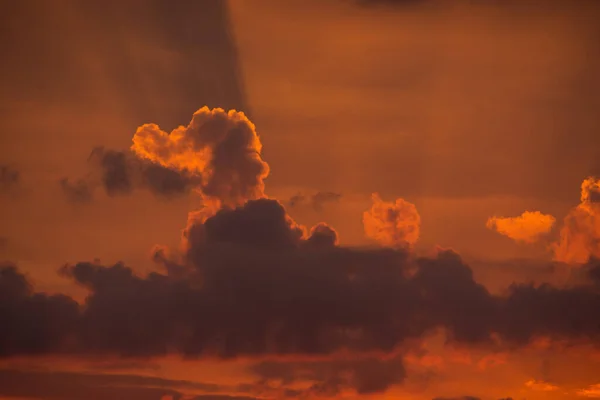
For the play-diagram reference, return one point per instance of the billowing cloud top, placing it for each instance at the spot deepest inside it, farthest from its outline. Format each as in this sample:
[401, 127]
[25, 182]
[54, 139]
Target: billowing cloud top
[580, 233]
[223, 147]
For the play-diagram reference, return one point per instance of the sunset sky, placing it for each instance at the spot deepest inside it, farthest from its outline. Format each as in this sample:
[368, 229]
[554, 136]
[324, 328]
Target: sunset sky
[300, 199]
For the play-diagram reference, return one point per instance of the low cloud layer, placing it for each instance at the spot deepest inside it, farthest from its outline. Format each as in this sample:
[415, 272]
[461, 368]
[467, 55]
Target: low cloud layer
[76, 386]
[527, 227]
[251, 282]
[217, 154]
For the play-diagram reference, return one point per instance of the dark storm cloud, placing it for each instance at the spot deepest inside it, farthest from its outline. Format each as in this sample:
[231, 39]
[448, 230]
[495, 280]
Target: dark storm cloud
[75, 386]
[330, 378]
[120, 172]
[9, 177]
[316, 200]
[32, 323]
[261, 290]
[593, 270]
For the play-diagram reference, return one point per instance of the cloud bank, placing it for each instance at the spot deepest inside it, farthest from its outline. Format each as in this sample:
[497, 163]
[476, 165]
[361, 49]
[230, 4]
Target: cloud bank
[251, 282]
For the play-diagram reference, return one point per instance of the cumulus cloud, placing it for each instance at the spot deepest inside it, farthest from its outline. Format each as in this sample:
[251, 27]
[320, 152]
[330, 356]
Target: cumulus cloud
[121, 172]
[527, 227]
[263, 291]
[580, 234]
[217, 154]
[222, 147]
[392, 223]
[252, 282]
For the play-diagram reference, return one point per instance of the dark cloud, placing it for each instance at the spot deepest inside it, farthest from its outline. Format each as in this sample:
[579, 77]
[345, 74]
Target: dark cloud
[218, 153]
[317, 200]
[330, 378]
[120, 172]
[56, 385]
[322, 236]
[253, 283]
[593, 270]
[252, 286]
[9, 177]
[32, 323]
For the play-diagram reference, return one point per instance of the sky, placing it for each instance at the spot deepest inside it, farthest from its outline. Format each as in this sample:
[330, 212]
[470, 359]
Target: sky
[300, 199]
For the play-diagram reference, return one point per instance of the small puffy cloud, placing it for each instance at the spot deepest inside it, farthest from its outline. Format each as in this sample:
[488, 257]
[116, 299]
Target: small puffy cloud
[392, 224]
[527, 227]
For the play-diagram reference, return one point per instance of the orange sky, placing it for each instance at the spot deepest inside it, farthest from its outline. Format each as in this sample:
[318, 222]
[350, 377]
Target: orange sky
[454, 112]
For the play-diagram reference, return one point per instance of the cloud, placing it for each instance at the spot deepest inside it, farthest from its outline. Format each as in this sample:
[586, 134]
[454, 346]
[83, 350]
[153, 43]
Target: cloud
[580, 234]
[254, 287]
[317, 200]
[392, 224]
[528, 227]
[331, 378]
[222, 147]
[81, 385]
[121, 172]
[53, 317]
[217, 154]
[251, 282]
[540, 386]
[592, 391]
[9, 177]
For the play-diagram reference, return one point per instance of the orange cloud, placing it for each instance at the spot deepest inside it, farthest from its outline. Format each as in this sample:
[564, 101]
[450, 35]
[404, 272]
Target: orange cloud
[580, 235]
[540, 386]
[527, 227]
[392, 224]
[592, 391]
[220, 146]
